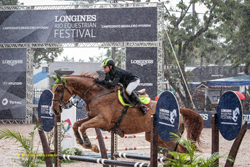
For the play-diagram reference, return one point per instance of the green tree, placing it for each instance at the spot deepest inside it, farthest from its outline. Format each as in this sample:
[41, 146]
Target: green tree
[108, 54]
[9, 2]
[188, 31]
[234, 31]
[45, 55]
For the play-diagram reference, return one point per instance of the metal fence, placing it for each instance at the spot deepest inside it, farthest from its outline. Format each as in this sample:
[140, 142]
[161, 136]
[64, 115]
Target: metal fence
[36, 95]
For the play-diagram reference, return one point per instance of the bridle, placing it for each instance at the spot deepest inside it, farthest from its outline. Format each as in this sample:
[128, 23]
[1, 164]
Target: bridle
[68, 104]
[62, 103]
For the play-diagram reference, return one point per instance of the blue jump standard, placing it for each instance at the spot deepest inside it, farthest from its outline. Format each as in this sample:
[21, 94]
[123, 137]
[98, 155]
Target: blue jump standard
[140, 157]
[103, 161]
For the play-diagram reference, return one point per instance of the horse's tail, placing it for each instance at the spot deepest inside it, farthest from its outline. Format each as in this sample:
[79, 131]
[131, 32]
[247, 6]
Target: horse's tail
[193, 122]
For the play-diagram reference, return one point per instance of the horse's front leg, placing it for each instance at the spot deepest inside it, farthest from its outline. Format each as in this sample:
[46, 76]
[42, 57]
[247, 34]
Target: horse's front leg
[76, 125]
[95, 122]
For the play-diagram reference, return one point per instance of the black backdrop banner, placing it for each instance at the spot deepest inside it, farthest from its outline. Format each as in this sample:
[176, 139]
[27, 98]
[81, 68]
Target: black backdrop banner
[78, 25]
[12, 83]
[143, 62]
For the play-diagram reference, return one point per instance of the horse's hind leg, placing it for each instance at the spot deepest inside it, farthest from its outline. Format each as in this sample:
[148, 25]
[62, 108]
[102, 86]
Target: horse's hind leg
[76, 125]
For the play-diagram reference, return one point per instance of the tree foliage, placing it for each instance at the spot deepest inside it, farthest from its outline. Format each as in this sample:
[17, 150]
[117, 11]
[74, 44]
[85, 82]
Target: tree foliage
[189, 31]
[45, 55]
[108, 54]
[9, 2]
[234, 31]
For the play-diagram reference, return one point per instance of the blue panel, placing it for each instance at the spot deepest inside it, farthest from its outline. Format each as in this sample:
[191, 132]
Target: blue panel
[229, 113]
[39, 77]
[167, 116]
[45, 111]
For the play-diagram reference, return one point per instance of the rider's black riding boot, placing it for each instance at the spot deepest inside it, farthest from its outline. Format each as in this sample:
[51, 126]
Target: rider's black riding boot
[136, 99]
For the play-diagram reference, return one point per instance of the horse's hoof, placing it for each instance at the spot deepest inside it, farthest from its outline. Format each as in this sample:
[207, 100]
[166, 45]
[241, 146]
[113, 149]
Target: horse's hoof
[119, 132]
[94, 148]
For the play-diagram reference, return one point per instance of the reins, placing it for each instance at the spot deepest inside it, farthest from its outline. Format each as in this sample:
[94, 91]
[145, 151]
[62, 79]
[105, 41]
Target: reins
[83, 95]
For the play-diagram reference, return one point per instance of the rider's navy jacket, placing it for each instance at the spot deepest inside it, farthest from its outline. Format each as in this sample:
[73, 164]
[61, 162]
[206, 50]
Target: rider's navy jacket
[118, 75]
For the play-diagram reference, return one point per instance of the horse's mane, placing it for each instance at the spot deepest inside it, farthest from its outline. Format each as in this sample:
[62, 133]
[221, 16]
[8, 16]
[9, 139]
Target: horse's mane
[83, 75]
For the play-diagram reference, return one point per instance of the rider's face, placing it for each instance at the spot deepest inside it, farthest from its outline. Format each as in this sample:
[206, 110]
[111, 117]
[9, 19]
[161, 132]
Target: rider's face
[107, 68]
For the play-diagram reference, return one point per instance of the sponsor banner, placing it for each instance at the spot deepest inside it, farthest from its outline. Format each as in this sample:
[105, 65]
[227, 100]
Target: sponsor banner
[12, 60]
[246, 118]
[143, 62]
[79, 25]
[207, 117]
[13, 84]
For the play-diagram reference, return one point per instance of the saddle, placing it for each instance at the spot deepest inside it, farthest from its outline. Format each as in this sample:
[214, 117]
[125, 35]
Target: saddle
[126, 101]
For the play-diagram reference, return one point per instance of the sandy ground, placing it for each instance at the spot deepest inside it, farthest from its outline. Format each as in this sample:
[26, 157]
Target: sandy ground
[9, 148]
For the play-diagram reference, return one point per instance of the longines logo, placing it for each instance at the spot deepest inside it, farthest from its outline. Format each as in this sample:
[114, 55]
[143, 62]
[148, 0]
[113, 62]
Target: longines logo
[12, 62]
[142, 62]
[12, 83]
[5, 101]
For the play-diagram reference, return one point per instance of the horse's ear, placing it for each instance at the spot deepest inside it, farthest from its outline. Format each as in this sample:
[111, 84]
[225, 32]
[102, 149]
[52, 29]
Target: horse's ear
[59, 78]
[54, 77]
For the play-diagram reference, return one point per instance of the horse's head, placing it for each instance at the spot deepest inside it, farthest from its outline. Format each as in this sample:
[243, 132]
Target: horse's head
[61, 93]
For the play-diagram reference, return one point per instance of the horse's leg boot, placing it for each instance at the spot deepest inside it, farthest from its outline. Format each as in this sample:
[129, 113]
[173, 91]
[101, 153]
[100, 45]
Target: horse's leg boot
[136, 99]
[86, 140]
[78, 138]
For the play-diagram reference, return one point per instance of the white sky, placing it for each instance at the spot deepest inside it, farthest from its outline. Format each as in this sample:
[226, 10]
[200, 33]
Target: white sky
[79, 53]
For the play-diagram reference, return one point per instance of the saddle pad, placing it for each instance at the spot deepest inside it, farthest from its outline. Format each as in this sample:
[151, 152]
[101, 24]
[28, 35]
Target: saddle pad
[145, 99]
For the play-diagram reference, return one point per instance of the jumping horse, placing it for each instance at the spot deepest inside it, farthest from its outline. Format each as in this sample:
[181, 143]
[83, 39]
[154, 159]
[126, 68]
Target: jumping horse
[104, 110]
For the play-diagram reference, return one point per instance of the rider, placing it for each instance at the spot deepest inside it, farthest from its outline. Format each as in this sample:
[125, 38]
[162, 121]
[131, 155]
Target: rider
[115, 75]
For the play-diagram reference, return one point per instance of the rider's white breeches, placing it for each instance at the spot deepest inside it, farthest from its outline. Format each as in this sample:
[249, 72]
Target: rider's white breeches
[131, 86]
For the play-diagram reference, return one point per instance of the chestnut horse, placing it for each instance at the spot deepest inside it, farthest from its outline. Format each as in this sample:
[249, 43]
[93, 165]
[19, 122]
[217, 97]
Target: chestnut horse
[104, 110]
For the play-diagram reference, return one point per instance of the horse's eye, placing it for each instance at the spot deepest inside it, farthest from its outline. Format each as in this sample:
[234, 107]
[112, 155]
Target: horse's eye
[58, 90]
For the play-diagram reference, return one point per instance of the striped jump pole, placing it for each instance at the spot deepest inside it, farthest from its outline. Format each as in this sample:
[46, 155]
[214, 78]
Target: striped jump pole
[103, 161]
[134, 156]
[125, 137]
[123, 149]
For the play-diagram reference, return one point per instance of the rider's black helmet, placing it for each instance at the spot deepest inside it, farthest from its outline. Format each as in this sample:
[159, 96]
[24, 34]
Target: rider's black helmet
[108, 62]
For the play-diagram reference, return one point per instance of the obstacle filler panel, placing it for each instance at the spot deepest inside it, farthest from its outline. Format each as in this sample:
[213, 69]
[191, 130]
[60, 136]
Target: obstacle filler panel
[44, 110]
[229, 114]
[167, 115]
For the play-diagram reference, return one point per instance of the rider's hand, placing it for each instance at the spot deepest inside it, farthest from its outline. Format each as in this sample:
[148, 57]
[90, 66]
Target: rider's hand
[98, 81]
